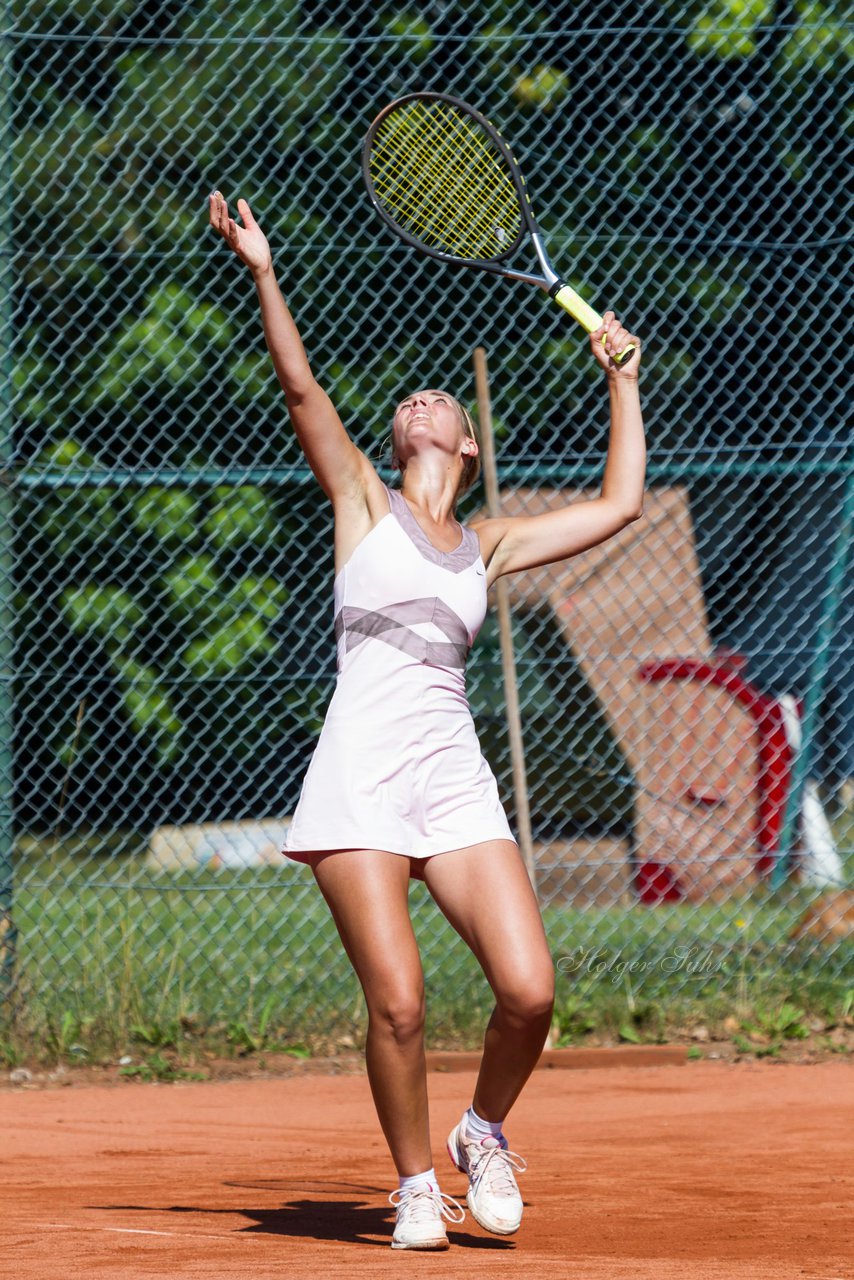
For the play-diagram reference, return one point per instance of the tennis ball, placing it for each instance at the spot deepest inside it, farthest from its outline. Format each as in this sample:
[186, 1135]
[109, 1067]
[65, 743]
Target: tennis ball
[545, 88]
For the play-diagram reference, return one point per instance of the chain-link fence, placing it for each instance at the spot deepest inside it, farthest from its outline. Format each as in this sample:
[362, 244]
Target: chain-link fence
[166, 574]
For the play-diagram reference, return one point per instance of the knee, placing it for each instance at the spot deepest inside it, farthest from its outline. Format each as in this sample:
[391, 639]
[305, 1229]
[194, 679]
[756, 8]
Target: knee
[529, 1000]
[401, 1014]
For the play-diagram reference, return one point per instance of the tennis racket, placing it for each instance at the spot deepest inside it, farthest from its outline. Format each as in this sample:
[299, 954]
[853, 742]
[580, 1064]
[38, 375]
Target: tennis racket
[441, 176]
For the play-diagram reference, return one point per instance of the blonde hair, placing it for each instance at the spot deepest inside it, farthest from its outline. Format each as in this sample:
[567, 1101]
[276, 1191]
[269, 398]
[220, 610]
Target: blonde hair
[471, 462]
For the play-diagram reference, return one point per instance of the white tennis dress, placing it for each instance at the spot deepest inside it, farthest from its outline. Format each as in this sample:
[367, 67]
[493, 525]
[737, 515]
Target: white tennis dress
[398, 765]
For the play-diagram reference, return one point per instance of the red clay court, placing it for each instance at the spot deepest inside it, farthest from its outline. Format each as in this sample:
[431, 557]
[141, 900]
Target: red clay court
[707, 1171]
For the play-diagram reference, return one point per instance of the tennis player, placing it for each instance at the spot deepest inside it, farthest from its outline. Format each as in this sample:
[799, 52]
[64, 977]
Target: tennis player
[397, 786]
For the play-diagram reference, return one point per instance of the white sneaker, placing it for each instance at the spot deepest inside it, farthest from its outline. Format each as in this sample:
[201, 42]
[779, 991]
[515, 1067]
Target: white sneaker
[419, 1224]
[493, 1196]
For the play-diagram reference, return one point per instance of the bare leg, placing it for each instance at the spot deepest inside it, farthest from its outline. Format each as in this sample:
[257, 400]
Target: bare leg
[367, 891]
[485, 893]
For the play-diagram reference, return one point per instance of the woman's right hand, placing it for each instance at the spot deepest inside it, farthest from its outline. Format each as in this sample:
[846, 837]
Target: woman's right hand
[248, 242]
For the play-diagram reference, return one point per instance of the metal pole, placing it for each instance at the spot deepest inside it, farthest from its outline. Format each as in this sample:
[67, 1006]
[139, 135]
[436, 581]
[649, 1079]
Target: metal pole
[815, 690]
[508, 661]
[578, 472]
[7, 533]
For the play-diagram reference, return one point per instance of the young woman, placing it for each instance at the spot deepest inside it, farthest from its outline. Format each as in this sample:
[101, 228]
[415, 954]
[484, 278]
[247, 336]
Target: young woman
[397, 786]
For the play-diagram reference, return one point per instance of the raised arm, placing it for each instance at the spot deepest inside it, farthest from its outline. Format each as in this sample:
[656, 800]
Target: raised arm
[514, 543]
[342, 470]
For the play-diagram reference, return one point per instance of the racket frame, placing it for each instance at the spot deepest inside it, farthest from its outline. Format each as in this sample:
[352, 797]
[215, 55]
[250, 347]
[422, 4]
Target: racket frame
[549, 281]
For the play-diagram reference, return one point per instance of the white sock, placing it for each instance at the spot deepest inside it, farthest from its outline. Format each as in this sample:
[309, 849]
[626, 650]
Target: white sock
[477, 1128]
[424, 1181]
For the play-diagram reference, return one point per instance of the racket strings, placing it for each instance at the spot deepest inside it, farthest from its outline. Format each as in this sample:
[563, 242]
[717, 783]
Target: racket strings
[444, 180]
[440, 178]
[435, 159]
[428, 189]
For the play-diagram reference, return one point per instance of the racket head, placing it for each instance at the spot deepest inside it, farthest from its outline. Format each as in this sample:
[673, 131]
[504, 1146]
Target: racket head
[442, 177]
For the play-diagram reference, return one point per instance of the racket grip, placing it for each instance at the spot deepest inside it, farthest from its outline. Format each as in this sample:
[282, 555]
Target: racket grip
[589, 319]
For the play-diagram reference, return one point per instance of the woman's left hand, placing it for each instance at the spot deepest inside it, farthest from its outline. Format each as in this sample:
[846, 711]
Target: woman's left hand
[616, 340]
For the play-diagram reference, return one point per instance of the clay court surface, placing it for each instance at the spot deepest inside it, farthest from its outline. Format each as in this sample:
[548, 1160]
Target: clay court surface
[708, 1170]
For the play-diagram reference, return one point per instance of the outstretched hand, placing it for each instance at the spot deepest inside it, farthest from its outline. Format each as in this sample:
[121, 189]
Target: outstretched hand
[616, 340]
[248, 242]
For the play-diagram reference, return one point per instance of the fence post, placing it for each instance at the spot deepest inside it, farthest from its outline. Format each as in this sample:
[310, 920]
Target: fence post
[818, 674]
[7, 531]
[511, 690]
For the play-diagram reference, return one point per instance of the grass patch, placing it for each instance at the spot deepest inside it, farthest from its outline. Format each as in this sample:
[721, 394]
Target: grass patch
[113, 960]
[156, 1067]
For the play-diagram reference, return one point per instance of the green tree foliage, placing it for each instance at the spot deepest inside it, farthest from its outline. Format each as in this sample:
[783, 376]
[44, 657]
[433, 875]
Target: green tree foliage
[163, 352]
[820, 46]
[728, 28]
[409, 29]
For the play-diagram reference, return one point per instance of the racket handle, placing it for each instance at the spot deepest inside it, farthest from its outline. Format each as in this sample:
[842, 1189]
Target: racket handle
[589, 319]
